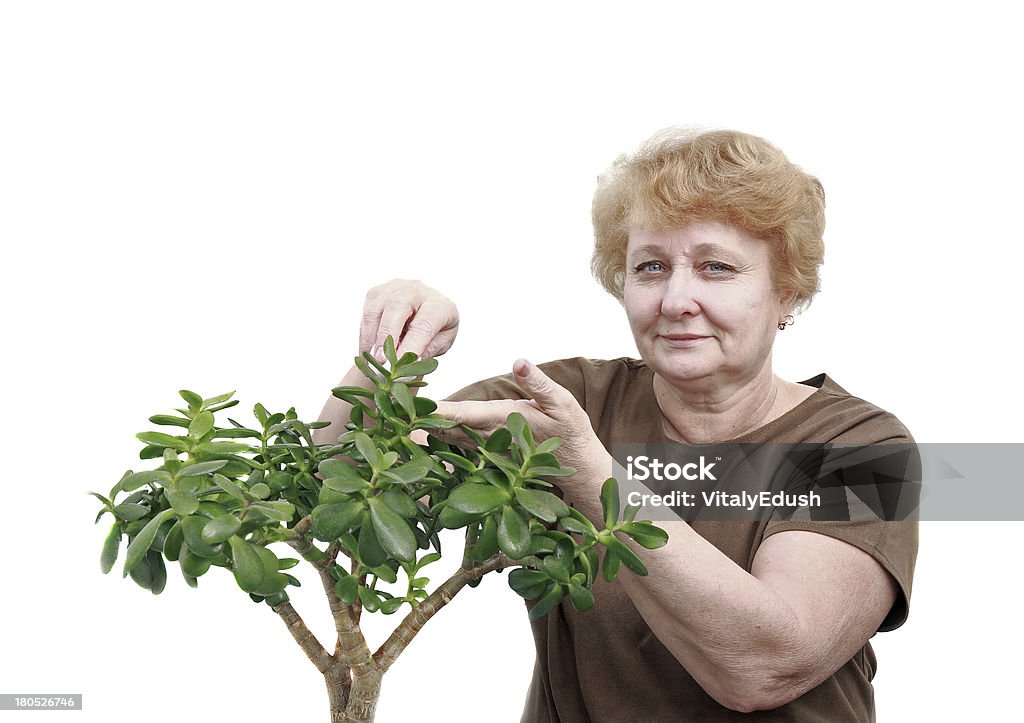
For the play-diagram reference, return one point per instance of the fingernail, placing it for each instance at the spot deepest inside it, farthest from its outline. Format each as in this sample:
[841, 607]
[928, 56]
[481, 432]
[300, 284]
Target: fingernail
[522, 367]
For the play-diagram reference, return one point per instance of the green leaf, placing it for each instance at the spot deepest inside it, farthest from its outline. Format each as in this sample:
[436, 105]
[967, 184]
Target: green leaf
[369, 548]
[549, 445]
[220, 528]
[184, 502]
[246, 564]
[412, 471]
[476, 498]
[193, 566]
[130, 511]
[555, 568]
[369, 599]
[367, 449]
[541, 504]
[582, 599]
[172, 542]
[331, 521]
[610, 502]
[346, 485]
[260, 490]
[219, 447]
[625, 553]
[347, 589]
[457, 461]
[273, 581]
[610, 566]
[168, 420]
[521, 433]
[573, 525]
[392, 531]
[151, 452]
[510, 470]
[645, 534]
[547, 603]
[139, 546]
[275, 510]
[213, 401]
[513, 533]
[105, 500]
[385, 573]
[353, 391]
[200, 468]
[425, 406]
[158, 572]
[451, 519]
[159, 439]
[416, 368]
[389, 350]
[228, 486]
[136, 480]
[404, 398]
[400, 502]
[111, 545]
[200, 425]
[338, 468]
[193, 400]
[528, 583]
[277, 480]
[487, 543]
[239, 433]
[499, 441]
[142, 573]
[192, 530]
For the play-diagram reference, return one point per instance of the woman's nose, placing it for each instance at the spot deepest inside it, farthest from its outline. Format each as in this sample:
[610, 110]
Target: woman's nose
[679, 298]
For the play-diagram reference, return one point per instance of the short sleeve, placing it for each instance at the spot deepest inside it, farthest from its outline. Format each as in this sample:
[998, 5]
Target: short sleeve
[888, 532]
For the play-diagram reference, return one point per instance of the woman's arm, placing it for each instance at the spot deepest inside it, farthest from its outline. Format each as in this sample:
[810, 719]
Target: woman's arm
[752, 640]
[757, 640]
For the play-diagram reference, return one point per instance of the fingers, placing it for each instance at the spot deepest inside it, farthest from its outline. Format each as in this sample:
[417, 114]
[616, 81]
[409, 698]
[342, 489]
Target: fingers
[420, 319]
[550, 397]
[484, 417]
[432, 329]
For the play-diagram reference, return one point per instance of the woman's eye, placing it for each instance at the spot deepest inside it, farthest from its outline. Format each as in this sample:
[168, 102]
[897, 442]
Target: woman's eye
[717, 267]
[649, 266]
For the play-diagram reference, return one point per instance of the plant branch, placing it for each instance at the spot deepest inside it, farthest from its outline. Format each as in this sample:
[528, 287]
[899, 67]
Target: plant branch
[309, 644]
[443, 595]
[351, 649]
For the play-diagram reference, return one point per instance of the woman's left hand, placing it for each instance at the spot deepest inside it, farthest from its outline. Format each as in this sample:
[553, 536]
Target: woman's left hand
[551, 411]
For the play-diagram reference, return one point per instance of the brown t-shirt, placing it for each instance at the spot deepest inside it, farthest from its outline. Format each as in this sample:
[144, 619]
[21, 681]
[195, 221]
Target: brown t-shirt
[606, 664]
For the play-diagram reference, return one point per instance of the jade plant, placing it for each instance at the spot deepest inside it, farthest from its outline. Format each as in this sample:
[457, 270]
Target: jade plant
[365, 513]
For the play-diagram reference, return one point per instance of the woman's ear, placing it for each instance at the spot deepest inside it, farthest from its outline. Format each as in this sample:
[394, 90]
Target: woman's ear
[787, 301]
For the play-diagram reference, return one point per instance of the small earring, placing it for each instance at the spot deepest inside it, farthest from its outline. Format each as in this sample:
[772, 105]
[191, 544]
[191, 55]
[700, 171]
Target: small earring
[787, 321]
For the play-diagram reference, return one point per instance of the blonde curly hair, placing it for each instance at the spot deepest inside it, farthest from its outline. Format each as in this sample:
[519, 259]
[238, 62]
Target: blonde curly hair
[681, 175]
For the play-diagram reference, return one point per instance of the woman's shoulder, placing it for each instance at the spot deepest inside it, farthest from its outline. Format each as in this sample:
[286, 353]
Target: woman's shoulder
[836, 414]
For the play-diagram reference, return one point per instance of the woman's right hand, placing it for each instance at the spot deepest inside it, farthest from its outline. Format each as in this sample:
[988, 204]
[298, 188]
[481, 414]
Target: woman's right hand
[421, 319]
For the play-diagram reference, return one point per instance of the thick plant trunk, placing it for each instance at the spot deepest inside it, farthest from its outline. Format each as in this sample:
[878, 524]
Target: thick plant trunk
[353, 701]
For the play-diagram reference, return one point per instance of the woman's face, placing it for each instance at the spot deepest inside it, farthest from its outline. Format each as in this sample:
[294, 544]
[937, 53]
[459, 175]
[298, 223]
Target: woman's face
[701, 303]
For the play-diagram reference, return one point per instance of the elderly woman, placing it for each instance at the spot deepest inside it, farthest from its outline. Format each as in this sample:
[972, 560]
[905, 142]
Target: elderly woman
[711, 241]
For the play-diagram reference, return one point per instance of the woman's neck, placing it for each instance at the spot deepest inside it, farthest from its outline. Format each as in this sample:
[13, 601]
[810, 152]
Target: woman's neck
[720, 412]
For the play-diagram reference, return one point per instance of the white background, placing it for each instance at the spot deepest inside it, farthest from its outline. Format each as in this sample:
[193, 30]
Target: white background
[198, 194]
